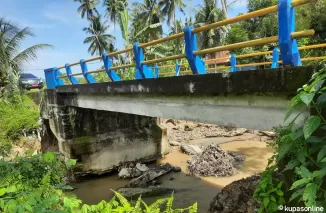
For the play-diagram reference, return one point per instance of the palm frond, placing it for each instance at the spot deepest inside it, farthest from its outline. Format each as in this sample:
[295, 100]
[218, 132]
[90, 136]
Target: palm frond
[27, 55]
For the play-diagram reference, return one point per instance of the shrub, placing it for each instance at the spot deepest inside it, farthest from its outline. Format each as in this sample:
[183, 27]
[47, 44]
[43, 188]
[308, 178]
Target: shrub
[296, 174]
[35, 184]
[14, 118]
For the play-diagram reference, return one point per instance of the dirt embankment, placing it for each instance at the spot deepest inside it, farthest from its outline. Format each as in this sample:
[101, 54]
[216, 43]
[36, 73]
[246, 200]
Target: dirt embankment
[182, 131]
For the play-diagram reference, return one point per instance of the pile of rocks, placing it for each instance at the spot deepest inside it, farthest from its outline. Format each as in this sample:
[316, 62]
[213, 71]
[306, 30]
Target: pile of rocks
[214, 161]
[133, 170]
[142, 176]
[179, 130]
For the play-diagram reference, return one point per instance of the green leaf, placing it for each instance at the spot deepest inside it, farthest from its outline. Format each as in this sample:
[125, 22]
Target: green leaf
[319, 174]
[273, 199]
[2, 191]
[314, 139]
[266, 201]
[70, 163]
[48, 157]
[321, 101]
[28, 208]
[310, 125]
[307, 97]
[295, 104]
[67, 187]
[299, 183]
[323, 160]
[287, 145]
[296, 194]
[323, 127]
[11, 189]
[279, 193]
[321, 154]
[317, 86]
[304, 172]
[291, 164]
[297, 134]
[309, 194]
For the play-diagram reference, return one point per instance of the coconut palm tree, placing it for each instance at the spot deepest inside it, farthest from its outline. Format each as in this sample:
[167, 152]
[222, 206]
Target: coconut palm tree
[208, 14]
[117, 12]
[169, 8]
[114, 7]
[88, 7]
[99, 40]
[12, 58]
[147, 20]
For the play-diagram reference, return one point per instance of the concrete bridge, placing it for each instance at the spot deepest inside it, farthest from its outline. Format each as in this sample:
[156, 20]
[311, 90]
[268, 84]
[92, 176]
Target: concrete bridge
[105, 124]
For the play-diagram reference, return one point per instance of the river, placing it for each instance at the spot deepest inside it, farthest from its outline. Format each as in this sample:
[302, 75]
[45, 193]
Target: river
[188, 189]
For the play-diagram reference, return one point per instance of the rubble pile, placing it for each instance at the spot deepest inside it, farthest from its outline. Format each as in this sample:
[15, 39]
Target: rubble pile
[214, 161]
[179, 131]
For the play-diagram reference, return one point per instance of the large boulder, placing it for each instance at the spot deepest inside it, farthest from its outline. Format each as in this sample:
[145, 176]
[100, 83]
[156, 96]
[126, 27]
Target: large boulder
[236, 197]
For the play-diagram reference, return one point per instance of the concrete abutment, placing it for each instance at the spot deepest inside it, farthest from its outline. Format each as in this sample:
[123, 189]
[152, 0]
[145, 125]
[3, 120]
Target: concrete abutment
[102, 140]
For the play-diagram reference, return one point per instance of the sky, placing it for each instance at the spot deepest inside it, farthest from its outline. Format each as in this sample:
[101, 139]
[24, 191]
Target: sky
[57, 22]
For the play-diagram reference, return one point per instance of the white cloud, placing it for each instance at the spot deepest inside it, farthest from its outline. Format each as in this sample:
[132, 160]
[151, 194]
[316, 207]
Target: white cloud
[24, 23]
[63, 13]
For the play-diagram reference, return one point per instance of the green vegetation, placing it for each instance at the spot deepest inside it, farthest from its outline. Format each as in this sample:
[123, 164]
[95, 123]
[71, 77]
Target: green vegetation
[36, 184]
[14, 119]
[296, 174]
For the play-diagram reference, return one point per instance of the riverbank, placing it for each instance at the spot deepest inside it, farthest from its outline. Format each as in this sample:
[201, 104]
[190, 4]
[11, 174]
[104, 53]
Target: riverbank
[188, 189]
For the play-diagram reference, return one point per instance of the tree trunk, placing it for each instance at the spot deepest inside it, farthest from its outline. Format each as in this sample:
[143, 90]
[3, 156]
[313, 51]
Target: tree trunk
[224, 8]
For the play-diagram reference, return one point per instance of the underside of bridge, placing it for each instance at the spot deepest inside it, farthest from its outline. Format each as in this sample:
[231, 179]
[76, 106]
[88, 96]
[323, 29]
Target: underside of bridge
[105, 124]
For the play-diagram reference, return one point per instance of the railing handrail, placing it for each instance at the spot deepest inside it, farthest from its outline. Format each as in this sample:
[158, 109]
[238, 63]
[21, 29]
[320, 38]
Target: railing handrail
[314, 46]
[236, 19]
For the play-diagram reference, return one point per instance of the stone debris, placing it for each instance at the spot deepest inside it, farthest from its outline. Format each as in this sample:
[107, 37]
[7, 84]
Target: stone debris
[174, 143]
[236, 197]
[190, 149]
[214, 161]
[131, 171]
[142, 167]
[268, 133]
[125, 173]
[144, 179]
[177, 169]
[180, 131]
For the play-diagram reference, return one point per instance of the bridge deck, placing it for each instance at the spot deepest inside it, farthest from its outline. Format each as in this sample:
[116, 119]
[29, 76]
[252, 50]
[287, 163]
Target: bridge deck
[253, 99]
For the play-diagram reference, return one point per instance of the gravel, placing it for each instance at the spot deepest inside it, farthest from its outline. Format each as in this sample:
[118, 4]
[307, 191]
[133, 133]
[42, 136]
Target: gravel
[214, 161]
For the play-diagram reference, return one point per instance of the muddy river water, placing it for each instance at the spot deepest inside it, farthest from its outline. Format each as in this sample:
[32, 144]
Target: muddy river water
[188, 189]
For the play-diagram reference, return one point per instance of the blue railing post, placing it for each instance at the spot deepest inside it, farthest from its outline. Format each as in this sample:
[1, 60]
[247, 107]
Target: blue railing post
[84, 69]
[276, 57]
[196, 64]
[107, 65]
[72, 79]
[144, 72]
[56, 77]
[177, 69]
[286, 25]
[157, 71]
[50, 79]
[233, 61]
